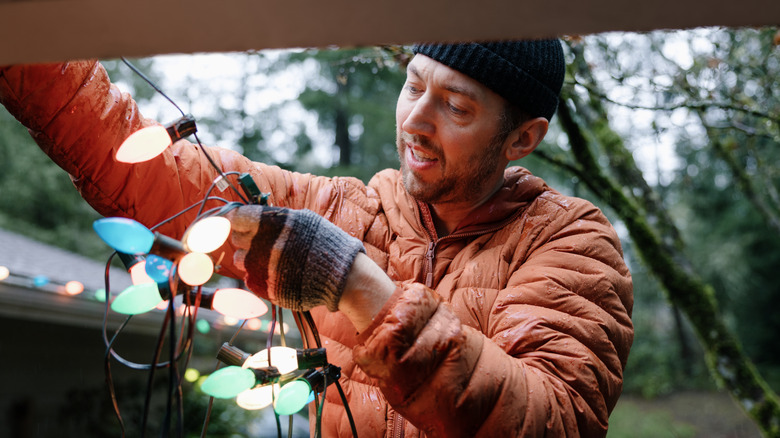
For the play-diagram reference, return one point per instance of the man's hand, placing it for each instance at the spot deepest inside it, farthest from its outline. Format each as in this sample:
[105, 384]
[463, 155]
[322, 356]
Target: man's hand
[294, 258]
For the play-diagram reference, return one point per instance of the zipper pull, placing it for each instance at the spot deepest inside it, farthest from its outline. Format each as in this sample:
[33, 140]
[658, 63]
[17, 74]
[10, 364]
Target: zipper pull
[429, 264]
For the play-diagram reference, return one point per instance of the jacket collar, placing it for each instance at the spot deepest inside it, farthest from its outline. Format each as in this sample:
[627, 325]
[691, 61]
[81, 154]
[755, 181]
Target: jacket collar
[519, 189]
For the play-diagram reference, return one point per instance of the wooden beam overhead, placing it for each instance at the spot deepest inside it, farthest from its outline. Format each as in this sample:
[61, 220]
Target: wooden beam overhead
[39, 31]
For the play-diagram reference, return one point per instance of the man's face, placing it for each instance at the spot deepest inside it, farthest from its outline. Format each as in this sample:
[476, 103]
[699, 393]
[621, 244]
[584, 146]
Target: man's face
[448, 135]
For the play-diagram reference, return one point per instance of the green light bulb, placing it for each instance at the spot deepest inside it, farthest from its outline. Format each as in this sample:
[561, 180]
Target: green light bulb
[228, 382]
[138, 298]
[292, 397]
[203, 326]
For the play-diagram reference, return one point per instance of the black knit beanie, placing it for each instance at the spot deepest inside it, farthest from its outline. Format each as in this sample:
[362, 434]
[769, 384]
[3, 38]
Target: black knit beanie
[528, 74]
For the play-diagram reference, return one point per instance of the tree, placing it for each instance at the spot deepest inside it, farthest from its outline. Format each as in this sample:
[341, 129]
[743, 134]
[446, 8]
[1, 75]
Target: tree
[599, 157]
[353, 95]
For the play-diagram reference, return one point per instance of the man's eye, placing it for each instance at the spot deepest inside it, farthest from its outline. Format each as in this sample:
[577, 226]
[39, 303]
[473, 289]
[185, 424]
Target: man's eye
[413, 90]
[455, 110]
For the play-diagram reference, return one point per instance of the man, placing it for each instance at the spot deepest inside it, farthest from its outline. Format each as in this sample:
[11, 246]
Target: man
[458, 297]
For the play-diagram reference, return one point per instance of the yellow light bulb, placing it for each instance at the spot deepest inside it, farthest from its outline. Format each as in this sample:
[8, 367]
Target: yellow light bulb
[4, 273]
[143, 145]
[207, 235]
[195, 268]
[191, 375]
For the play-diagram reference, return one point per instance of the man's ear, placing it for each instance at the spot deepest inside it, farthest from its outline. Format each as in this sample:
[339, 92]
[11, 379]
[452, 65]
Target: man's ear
[526, 137]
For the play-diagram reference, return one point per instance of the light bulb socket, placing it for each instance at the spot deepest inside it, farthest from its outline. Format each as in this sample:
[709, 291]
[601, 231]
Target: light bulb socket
[167, 247]
[266, 375]
[232, 355]
[129, 260]
[206, 299]
[181, 128]
[316, 378]
[169, 289]
[311, 358]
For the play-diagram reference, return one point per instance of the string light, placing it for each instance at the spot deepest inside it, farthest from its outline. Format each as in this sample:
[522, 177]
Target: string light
[74, 287]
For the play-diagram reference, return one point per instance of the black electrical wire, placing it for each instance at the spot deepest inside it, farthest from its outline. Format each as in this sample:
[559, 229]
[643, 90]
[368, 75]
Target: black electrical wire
[211, 399]
[172, 378]
[149, 387]
[346, 407]
[202, 148]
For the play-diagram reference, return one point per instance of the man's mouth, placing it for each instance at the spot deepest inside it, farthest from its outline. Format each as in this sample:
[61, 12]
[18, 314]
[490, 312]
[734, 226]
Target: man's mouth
[420, 155]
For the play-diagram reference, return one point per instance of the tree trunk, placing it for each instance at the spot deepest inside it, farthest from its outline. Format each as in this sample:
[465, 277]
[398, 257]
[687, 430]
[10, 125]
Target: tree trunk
[683, 287]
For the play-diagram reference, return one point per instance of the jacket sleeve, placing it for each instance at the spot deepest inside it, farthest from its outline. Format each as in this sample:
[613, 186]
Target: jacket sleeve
[549, 360]
[79, 119]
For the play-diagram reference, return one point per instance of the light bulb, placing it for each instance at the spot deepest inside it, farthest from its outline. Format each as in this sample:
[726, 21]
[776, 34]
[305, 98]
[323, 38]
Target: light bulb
[144, 144]
[74, 287]
[285, 359]
[228, 382]
[195, 268]
[4, 273]
[124, 235]
[138, 274]
[238, 303]
[258, 397]
[158, 268]
[100, 295]
[191, 375]
[207, 235]
[40, 280]
[138, 298]
[203, 326]
[292, 397]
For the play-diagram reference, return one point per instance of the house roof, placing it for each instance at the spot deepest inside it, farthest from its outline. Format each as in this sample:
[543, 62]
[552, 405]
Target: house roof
[26, 257]
[22, 298]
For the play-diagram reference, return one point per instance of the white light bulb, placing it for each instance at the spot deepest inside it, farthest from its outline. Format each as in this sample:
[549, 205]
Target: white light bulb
[207, 235]
[258, 397]
[285, 359]
[143, 145]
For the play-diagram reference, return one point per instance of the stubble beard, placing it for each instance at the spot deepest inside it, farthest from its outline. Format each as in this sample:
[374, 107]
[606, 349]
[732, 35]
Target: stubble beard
[467, 184]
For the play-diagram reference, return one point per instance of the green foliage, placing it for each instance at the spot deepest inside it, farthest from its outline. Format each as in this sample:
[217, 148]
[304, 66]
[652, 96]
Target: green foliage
[37, 198]
[354, 97]
[629, 421]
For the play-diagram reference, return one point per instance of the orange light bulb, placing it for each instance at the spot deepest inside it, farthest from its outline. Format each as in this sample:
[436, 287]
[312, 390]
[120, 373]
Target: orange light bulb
[74, 287]
[138, 274]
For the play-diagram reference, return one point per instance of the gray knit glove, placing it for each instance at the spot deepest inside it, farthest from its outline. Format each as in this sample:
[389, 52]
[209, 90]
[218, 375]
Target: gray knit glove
[294, 258]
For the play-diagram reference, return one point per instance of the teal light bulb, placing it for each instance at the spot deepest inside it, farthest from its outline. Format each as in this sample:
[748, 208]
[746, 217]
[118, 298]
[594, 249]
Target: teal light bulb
[158, 268]
[203, 326]
[124, 235]
[292, 397]
[40, 280]
[228, 382]
[138, 298]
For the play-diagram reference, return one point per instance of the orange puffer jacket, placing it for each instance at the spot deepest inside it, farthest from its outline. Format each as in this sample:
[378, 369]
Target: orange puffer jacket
[516, 324]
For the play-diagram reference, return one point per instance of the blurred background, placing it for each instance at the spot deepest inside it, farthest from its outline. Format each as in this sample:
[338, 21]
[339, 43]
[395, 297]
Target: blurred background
[675, 135]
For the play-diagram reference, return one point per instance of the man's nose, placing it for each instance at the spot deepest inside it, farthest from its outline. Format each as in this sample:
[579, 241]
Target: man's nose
[421, 119]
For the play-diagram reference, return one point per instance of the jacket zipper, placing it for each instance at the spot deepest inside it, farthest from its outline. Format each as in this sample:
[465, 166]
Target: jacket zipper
[398, 425]
[429, 263]
[434, 240]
